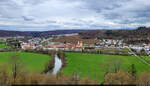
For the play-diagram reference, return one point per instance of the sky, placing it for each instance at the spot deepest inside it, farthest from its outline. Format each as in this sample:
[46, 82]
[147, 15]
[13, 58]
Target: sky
[44, 15]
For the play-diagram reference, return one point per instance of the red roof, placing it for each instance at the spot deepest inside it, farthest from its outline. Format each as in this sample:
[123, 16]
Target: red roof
[70, 46]
[62, 46]
[55, 46]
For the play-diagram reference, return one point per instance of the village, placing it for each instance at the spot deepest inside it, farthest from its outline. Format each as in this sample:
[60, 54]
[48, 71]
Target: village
[48, 44]
[75, 42]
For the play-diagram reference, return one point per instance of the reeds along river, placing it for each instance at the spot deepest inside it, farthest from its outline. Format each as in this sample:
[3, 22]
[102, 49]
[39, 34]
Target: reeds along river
[57, 65]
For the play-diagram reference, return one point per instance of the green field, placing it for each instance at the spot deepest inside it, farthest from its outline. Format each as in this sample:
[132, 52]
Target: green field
[94, 65]
[2, 41]
[32, 62]
[147, 58]
[114, 50]
[4, 46]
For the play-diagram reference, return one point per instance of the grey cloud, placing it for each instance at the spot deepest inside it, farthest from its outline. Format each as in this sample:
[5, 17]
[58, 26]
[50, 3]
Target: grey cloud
[75, 13]
[26, 18]
[34, 2]
[100, 5]
[9, 9]
[129, 13]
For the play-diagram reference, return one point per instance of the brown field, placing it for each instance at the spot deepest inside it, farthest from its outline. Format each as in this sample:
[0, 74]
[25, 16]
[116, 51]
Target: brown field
[74, 39]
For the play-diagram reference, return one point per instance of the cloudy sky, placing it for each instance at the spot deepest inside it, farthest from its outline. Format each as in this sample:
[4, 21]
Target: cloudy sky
[39, 15]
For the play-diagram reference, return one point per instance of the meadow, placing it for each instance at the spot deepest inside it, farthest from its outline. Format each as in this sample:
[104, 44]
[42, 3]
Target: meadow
[94, 66]
[3, 45]
[146, 58]
[31, 62]
[125, 50]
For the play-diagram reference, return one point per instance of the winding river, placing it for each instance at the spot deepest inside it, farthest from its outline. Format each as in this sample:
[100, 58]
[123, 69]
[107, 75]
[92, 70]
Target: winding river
[57, 65]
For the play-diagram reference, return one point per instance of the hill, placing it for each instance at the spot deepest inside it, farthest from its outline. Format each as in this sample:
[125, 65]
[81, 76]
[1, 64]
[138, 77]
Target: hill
[5, 33]
[141, 32]
[136, 36]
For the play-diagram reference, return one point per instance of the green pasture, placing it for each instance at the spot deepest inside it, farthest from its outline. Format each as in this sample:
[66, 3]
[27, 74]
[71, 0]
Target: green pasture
[32, 62]
[94, 66]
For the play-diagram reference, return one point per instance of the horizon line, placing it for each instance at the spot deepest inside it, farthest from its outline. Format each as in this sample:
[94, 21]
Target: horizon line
[64, 29]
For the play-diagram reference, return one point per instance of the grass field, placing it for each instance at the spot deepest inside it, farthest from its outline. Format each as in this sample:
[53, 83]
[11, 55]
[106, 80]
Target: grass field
[32, 62]
[147, 58]
[94, 65]
[4, 46]
[114, 50]
[2, 41]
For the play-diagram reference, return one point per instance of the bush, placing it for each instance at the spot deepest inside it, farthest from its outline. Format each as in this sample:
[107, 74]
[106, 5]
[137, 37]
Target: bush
[119, 78]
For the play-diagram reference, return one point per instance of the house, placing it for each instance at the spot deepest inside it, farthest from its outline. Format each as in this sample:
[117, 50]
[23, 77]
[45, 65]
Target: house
[27, 46]
[54, 46]
[62, 46]
[14, 43]
[147, 47]
[69, 46]
[79, 44]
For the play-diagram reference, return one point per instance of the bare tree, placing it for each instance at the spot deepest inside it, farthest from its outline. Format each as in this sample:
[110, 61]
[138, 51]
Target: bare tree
[143, 79]
[3, 74]
[50, 64]
[113, 64]
[119, 78]
[16, 65]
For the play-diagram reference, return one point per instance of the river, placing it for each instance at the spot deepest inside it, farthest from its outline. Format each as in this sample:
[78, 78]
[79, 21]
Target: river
[57, 65]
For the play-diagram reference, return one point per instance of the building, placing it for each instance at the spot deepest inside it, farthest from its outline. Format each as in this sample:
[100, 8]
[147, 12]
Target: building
[66, 47]
[27, 46]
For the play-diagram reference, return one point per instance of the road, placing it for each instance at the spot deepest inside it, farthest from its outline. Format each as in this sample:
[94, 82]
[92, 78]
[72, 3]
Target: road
[131, 52]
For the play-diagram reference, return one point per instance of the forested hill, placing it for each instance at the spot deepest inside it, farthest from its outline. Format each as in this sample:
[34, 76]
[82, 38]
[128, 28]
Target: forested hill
[141, 32]
[6, 33]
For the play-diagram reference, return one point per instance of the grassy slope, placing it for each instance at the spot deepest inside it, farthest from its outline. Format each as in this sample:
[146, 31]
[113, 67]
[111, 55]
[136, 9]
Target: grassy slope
[32, 62]
[92, 65]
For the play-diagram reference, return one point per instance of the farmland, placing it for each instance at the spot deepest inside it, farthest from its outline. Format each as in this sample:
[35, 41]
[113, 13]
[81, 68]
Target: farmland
[95, 65]
[114, 50]
[74, 39]
[3, 45]
[32, 62]
[146, 58]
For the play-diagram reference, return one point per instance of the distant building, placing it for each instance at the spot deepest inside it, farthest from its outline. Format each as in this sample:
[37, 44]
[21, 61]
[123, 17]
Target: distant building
[67, 46]
[79, 44]
[27, 46]
[14, 43]
[54, 46]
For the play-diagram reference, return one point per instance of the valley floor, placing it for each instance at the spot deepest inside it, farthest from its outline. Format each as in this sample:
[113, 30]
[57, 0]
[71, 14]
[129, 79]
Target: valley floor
[95, 65]
[32, 62]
